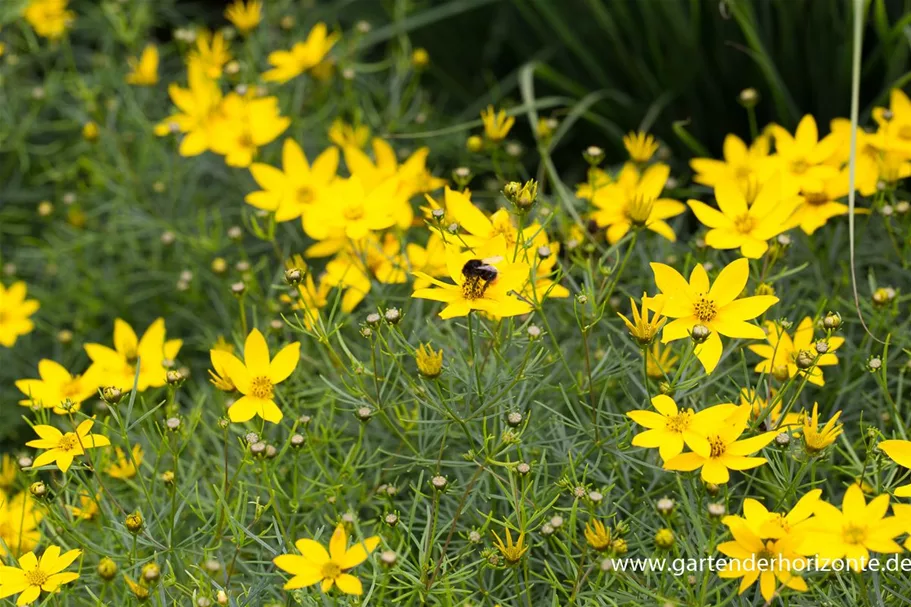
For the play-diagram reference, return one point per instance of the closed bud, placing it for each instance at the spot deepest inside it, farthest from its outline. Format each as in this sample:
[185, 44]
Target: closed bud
[593, 155]
[111, 395]
[664, 538]
[134, 522]
[804, 360]
[831, 321]
[439, 482]
[748, 97]
[107, 569]
[700, 333]
[293, 276]
[474, 144]
[238, 289]
[38, 490]
[151, 572]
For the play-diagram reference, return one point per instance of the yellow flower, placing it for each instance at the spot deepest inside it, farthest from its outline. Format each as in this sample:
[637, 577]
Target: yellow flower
[746, 226]
[125, 467]
[144, 71]
[512, 552]
[49, 18]
[802, 156]
[640, 146]
[722, 451]
[716, 307]
[353, 211]
[243, 125]
[32, 576]
[481, 229]
[670, 428]
[296, 188]
[287, 65]
[87, 508]
[741, 164]
[430, 363]
[311, 299]
[597, 179]
[314, 564]
[198, 108]
[641, 328]
[767, 561]
[218, 374]
[773, 525]
[853, 531]
[245, 17]
[15, 313]
[117, 366]
[661, 361]
[597, 535]
[633, 202]
[346, 135]
[430, 260]
[9, 470]
[781, 353]
[487, 289]
[257, 377]
[420, 58]
[818, 205]
[19, 520]
[412, 175]
[760, 410]
[137, 589]
[62, 448]
[496, 124]
[815, 438]
[58, 389]
[899, 451]
[210, 55]
[90, 131]
[895, 127]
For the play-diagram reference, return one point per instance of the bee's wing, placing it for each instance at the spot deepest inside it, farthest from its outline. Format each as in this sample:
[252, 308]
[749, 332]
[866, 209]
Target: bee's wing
[492, 260]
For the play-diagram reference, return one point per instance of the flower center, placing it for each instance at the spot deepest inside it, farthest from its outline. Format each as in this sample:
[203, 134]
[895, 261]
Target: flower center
[67, 442]
[36, 577]
[779, 520]
[705, 309]
[854, 534]
[353, 211]
[743, 171]
[330, 570]
[305, 195]
[679, 423]
[745, 223]
[799, 166]
[815, 198]
[261, 387]
[246, 141]
[474, 287]
[717, 445]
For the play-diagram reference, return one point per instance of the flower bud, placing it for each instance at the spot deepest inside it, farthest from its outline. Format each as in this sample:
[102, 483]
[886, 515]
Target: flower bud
[107, 569]
[700, 333]
[134, 522]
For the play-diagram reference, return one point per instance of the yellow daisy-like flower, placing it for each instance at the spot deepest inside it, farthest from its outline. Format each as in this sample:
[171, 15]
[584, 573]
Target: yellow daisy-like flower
[353, 211]
[479, 229]
[430, 363]
[722, 450]
[746, 550]
[512, 552]
[412, 174]
[303, 56]
[496, 124]
[760, 410]
[117, 366]
[125, 466]
[9, 470]
[597, 535]
[245, 16]
[314, 564]
[20, 516]
[818, 205]
[346, 135]
[88, 507]
[716, 307]
[256, 377]
[661, 361]
[57, 389]
[746, 226]
[670, 428]
[32, 576]
[899, 451]
[741, 164]
[774, 525]
[15, 313]
[855, 530]
[481, 284]
[211, 54]
[298, 187]
[49, 18]
[61, 448]
[641, 328]
[781, 352]
[640, 146]
[802, 156]
[621, 206]
[243, 125]
[198, 108]
[430, 260]
[816, 439]
[144, 71]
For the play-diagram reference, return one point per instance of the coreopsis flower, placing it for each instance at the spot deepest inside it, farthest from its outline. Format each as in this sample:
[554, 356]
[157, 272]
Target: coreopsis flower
[895, 123]
[542, 256]
[354, 211]
[660, 361]
[57, 388]
[312, 298]
[314, 564]
[198, 108]
[815, 438]
[346, 135]
[245, 16]
[761, 410]
[15, 313]
[781, 352]
[671, 428]
[496, 123]
[737, 224]
[49, 18]
[430, 363]
[210, 54]
[256, 377]
[597, 535]
[32, 576]
[640, 146]
[348, 273]
[855, 530]
[488, 289]
[716, 307]
[144, 71]
[621, 206]
[597, 179]
[741, 164]
[430, 260]
[412, 174]
[722, 450]
[20, 517]
[117, 366]
[801, 157]
[818, 205]
[481, 230]
[774, 525]
[62, 448]
[747, 552]
[125, 466]
[243, 125]
[899, 451]
[512, 552]
[298, 186]
[137, 589]
[218, 374]
[641, 328]
[303, 56]
[88, 507]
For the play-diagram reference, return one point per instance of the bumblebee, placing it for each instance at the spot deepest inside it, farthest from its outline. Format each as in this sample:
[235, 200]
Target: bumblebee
[479, 274]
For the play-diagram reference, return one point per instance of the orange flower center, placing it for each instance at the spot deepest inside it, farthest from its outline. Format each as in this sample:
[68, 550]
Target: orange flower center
[36, 577]
[353, 211]
[745, 223]
[679, 423]
[799, 166]
[330, 570]
[261, 387]
[705, 309]
[717, 446]
[815, 198]
[854, 534]
[68, 442]
[305, 195]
